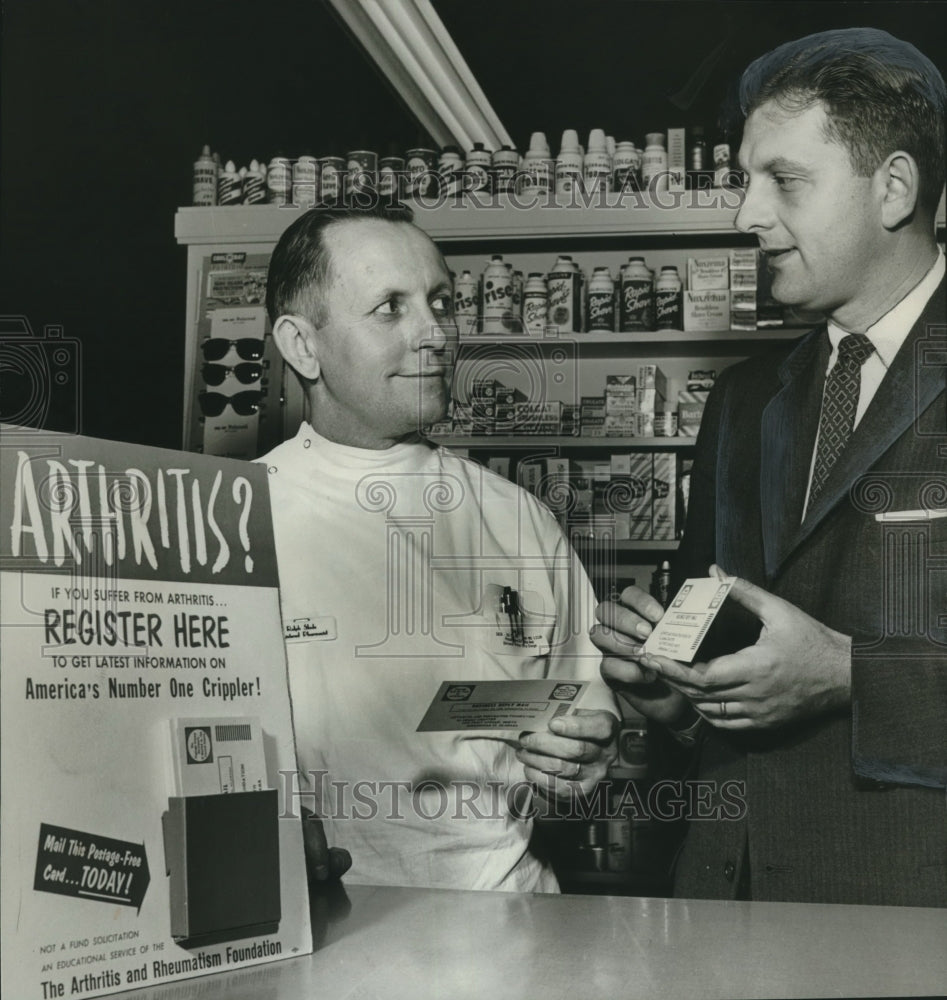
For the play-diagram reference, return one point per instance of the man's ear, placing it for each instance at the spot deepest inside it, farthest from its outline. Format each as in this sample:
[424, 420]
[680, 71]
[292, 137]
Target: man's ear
[899, 180]
[295, 337]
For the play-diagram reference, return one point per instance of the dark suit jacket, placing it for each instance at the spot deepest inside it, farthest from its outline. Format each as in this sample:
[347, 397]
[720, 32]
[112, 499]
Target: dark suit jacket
[845, 807]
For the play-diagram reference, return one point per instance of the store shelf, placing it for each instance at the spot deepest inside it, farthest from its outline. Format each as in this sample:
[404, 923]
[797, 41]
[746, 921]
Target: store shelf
[625, 544]
[657, 339]
[499, 442]
[461, 218]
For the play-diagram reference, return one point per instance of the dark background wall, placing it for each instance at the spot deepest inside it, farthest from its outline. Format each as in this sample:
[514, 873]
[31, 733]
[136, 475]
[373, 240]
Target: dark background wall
[106, 104]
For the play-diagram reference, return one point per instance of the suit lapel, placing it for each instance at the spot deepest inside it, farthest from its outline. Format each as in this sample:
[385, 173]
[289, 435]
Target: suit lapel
[906, 391]
[788, 429]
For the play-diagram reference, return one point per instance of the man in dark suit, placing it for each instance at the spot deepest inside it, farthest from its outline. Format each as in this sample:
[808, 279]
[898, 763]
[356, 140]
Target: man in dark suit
[820, 480]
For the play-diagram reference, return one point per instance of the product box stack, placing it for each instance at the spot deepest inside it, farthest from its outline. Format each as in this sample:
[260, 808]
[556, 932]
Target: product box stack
[546, 478]
[652, 391]
[630, 403]
[541, 419]
[691, 401]
[632, 497]
[769, 312]
[743, 270]
[592, 416]
[492, 408]
[707, 297]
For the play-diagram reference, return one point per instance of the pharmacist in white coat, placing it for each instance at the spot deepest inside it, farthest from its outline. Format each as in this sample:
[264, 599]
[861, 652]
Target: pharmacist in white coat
[393, 557]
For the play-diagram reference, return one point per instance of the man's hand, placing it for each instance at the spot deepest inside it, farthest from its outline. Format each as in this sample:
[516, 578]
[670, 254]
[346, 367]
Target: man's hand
[796, 669]
[625, 625]
[322, 862]
[574, 755]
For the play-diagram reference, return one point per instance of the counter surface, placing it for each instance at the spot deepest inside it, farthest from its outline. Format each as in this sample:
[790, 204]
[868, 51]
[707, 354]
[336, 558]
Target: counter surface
[418, 943]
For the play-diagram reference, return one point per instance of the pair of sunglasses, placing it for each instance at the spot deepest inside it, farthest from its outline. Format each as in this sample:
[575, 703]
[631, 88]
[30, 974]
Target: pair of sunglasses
[245, 404]
[247, 348]
[246, 372]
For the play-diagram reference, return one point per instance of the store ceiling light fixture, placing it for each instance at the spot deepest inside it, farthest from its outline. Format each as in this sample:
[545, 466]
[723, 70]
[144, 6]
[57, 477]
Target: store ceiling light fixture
[409, 43]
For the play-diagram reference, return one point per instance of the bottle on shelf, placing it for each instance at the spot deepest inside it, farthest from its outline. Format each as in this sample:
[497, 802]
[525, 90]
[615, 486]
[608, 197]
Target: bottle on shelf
[597, 164]
[661, 584]
[654, 163]
[205, 179]
[496, 297]
[564, 311]
[669, 300]
[539, 169]
[477, 169]
[569, 166]
[698, 160]
[535, 304]
[635, 297]
[601, 301]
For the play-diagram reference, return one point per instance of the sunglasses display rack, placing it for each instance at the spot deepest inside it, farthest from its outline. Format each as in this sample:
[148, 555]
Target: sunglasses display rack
[234, 372]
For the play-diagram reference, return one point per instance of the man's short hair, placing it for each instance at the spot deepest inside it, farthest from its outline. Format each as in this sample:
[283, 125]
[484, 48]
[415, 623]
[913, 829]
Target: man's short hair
[299, 266]
[880, 94]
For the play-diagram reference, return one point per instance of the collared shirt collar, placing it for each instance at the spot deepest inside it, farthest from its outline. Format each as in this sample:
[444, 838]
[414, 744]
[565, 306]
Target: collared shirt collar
[889, 332]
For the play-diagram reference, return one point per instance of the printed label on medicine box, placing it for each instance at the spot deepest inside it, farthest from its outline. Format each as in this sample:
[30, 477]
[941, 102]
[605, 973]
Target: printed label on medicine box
[706, 312]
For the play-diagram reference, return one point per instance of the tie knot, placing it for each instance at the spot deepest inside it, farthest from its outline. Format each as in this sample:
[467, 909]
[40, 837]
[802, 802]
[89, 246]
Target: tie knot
[855, 347]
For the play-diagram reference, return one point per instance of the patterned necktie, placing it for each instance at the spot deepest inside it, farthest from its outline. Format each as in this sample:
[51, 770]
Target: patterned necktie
[839, 402]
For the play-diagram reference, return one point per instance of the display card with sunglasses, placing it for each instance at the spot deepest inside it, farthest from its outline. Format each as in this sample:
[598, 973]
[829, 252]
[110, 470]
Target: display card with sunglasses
[235, 407]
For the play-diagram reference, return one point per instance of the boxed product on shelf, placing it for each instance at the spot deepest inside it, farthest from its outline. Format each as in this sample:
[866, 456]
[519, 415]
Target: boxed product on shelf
[650, 376]
[742, 259]
[769, 312]
[684, 490]
[701, 379]
[554, 488]
[664, 496]
[528, 475]
[500, 464]
[618, 389]
[617, 405]
[581, 473]
[743, 309]
[593, 426]
[551, 409]
[649, 400]
[601, 478]
[740, 279]
[620, 424]
[677, 175]
[665, 424]
[592, 406]
[640, 475]
[644, 425]
[708, 273]
[706, 311]
[690, 410]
